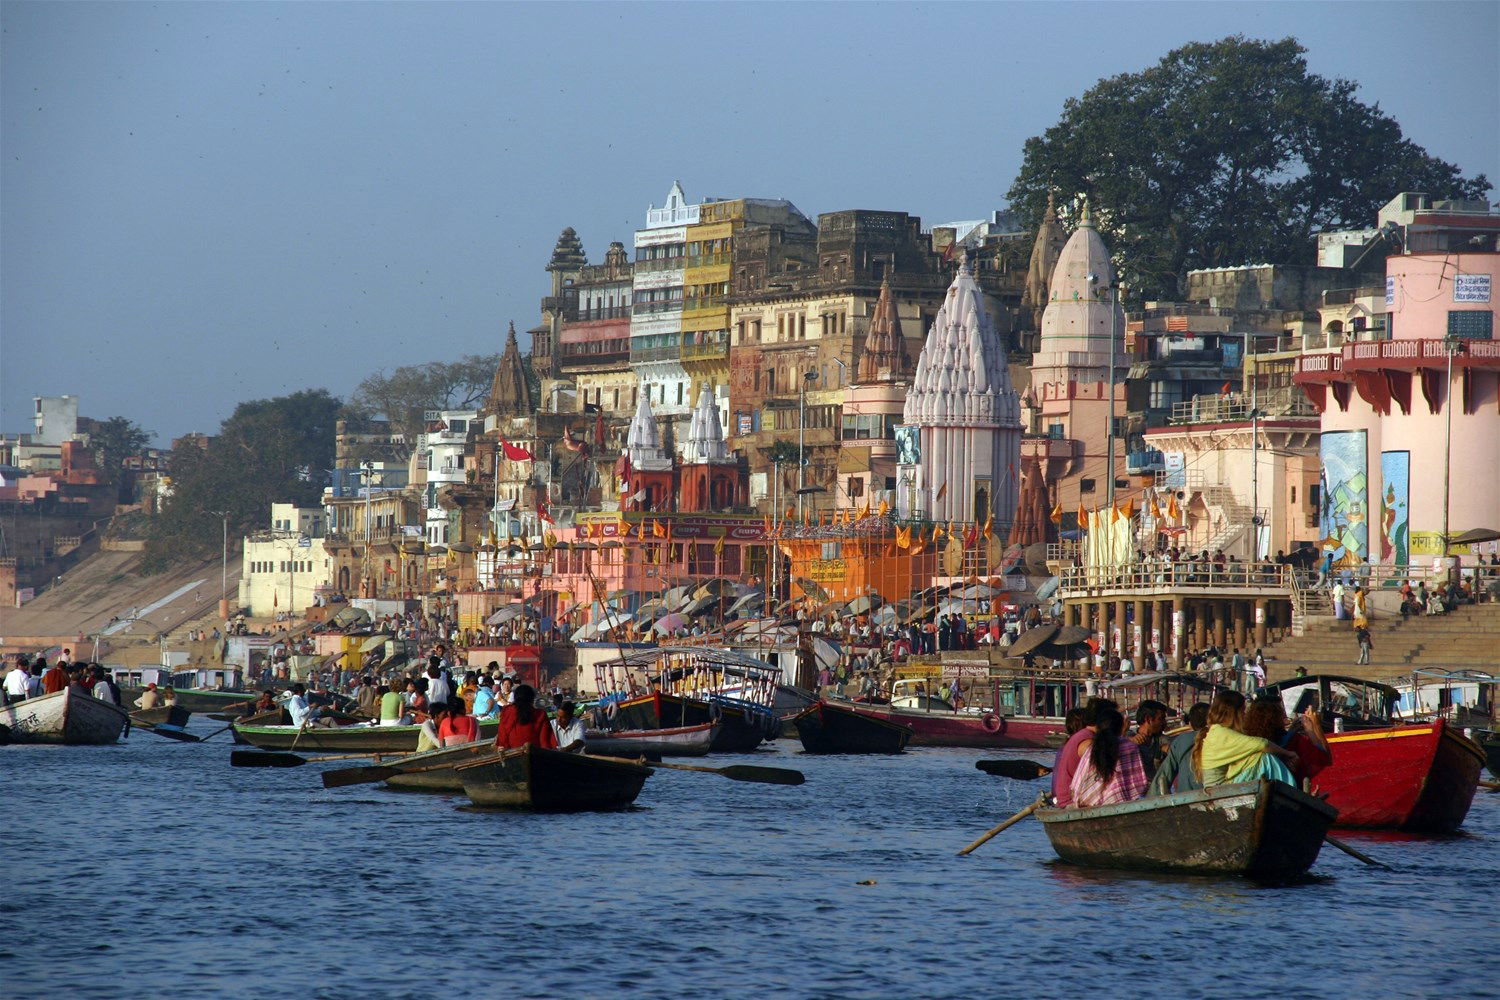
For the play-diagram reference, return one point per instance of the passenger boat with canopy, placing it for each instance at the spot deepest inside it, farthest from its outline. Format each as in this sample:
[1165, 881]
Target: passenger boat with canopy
[1417, 777]
[672, 687]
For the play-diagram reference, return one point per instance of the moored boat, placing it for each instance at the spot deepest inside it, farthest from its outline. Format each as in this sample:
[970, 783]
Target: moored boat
[830, 727]
[1265, 830]
[551, 781]
[1418, 778]
[163, 715]
[69, 716]
[354, 738]
[937, 727]
[740, 728]
[684, 741]
[1491, 747]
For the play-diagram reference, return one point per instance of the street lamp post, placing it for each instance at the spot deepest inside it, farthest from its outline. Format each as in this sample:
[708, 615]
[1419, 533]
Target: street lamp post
[807, 376]
[1451, 346]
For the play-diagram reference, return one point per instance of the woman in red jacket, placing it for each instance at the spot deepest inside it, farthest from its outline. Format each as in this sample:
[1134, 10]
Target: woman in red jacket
[522, 724]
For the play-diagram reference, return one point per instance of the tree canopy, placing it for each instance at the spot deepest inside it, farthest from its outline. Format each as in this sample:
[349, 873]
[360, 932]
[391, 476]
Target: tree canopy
[1225, 153]
[268, 451]
[113, 441]
[406, 392]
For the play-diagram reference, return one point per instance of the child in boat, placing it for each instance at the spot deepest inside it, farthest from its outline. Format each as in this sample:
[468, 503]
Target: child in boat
[1109, 764]
[1223, 754]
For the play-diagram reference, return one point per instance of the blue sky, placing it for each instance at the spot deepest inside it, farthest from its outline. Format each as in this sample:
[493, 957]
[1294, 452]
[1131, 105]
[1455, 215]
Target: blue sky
[201, 204]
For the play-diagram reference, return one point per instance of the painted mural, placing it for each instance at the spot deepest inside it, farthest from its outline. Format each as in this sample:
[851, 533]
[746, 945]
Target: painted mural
[1346, 480]
[1395, 507]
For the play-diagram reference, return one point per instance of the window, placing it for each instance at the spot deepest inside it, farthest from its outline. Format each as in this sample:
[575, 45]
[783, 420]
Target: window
[1085, 486]
[856, 487]
[1471, 324]
[1312, 494]
[1294, 494]
[1055, 431]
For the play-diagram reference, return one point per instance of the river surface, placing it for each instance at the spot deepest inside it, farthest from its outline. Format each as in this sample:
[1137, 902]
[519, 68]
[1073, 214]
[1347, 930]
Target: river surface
[154, 869]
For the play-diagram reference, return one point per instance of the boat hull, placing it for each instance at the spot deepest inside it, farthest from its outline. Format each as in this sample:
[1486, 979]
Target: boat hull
[343, 739]
[1492, 753]
[552, 781]
[174, 715]
[827, 728]
[415, 777]
[688, 741]
[198, 701]
[1264, 830]
[68, 717]
[1415, 778]
[738, 732]
[957, 729]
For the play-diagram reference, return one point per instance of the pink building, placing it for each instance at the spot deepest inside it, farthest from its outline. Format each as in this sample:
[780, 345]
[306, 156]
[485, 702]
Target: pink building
[1408, 450]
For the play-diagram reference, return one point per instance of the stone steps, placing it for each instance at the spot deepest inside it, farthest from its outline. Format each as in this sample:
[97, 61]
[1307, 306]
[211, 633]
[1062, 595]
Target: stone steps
[1468, 638]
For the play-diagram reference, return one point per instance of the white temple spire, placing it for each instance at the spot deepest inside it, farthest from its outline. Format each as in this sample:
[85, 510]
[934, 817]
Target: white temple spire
[706, 432]
[643, 444]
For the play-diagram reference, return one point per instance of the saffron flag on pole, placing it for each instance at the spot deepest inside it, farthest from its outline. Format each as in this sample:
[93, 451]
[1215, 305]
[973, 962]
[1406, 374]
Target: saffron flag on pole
[1057, 512]
[1083, 518]
[1172, 511]
[942, 492]
[515, 452]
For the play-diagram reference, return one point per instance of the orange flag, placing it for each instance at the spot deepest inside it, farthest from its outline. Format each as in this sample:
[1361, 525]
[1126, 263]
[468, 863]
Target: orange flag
[1172, 506]
[1083, 518]
[1129, 506]
[1056, 515]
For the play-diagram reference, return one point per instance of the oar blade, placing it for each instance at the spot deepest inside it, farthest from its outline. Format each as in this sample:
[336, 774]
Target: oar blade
[763, 775]
[176, 734]
[261, 758]
[1020, 770]
[342, 777]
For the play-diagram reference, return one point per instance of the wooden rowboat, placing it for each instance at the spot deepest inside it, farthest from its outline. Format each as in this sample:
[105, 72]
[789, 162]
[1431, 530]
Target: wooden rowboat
[164, 715]
[69, 716]
[426, 772]
[740, 728]
[686, 741]
[551, 781]
[827, 727]
[342, 739]
[1416, 778]
[1265, 830]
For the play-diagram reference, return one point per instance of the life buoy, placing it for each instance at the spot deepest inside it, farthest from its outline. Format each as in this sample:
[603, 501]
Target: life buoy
[992, 723]
[611, 709]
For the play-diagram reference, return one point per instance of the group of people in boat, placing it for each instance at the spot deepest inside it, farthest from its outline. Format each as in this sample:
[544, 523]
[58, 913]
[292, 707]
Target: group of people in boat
[34, 679]
[1226, 741]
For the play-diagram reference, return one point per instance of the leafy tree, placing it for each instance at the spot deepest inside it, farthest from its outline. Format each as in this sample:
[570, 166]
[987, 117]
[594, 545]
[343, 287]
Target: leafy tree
[268, 451]
[113, 441]
[1225, 153]
[406, 392]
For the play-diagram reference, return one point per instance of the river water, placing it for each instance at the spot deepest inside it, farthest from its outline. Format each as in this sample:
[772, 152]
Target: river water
[155, 869]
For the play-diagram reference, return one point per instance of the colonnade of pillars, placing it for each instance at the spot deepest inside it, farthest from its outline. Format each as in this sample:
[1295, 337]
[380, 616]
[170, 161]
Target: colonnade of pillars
[1178, 626]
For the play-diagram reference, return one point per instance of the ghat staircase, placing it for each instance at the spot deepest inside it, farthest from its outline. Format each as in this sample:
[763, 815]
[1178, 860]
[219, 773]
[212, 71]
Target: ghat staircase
[1467, 638]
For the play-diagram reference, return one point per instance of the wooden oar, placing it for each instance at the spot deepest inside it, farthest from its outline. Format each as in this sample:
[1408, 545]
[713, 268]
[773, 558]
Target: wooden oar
[343, 777]
[171, 734]
[216, 732]
[1355, 854]
[1021, 770]
[1493, 786]
[277, 758]
[1005, 826]
[735, 772]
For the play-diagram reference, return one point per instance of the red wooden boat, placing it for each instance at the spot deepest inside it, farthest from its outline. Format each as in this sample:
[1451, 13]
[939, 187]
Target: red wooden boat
[986, 730]
[1417, 778]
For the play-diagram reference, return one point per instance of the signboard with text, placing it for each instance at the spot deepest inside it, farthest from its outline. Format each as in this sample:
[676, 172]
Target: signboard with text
[1471, 288]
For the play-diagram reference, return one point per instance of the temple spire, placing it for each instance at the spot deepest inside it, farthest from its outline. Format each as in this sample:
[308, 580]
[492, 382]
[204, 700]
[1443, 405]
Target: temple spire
[643, 444]
[706, 432]
[885, 358]
[510, 392]
[1044, 253]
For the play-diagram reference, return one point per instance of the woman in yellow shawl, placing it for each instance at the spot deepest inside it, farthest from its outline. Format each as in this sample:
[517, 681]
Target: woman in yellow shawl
[1223, 755]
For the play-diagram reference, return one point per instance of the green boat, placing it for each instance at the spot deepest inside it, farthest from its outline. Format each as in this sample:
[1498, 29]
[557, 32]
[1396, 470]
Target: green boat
[342, 739]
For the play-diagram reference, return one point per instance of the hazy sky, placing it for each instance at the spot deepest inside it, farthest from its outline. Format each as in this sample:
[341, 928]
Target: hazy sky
[201, 204]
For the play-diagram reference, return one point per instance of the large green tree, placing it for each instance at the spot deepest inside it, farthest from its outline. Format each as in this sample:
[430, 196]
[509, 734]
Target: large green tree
[1225, 153]
[113, 441]
[268, 451]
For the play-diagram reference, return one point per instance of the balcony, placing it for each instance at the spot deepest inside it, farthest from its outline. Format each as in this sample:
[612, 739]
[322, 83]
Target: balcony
[1235, 408]
[709, 259]
[597, 313]
[643, 355]
[652, 308]
[705, 352]
[1144, 463]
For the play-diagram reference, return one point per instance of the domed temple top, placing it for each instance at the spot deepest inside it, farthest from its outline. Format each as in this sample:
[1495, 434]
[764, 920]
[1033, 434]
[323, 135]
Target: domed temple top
[706, 431]
[510, 392]
[962, 376]
[643, 444]
[568, 254]
[885, 358]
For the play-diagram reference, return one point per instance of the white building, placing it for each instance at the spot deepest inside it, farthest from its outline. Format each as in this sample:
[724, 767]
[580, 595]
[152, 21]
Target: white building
[56, 419]
[284, 567]
[441, 460]
[656, 313]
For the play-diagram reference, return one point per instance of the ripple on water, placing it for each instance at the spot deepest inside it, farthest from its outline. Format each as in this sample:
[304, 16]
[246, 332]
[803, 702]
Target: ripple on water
[175, 874]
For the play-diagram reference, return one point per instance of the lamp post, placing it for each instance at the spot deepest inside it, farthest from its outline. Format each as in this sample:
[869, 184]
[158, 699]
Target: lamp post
[224, 565]
[807, 376]
[1451, 346]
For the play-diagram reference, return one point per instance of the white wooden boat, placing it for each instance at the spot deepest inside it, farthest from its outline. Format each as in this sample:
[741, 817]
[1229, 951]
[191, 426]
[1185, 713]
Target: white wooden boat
[69, 716]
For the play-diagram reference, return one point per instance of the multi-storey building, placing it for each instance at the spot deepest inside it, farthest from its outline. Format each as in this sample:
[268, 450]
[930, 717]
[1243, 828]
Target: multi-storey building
[593, 342]
[657, 304]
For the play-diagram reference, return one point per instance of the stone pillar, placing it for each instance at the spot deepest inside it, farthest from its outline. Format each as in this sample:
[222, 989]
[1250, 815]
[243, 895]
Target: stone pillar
[1241, 628]
[1161, 626]
[1118, 634]
[1221, 621]
[1200, 625]
[1070, 614]
[1260, 621]
[1101, 624]
[1140, 633]
[1179, 631]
